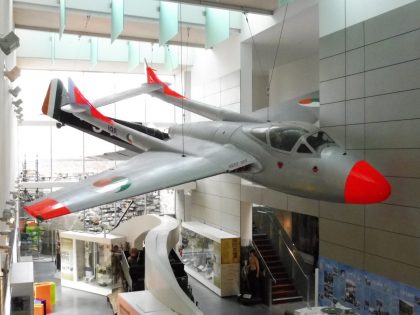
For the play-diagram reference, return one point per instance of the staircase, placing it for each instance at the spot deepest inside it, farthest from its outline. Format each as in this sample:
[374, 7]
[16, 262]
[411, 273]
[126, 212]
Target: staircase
[283, 291]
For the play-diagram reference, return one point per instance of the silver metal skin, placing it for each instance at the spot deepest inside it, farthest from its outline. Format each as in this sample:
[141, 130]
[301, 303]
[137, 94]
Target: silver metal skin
[296, 176]
[293, 157]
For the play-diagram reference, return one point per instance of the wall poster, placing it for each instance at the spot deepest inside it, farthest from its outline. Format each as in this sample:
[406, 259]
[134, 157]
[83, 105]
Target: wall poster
[366, 293]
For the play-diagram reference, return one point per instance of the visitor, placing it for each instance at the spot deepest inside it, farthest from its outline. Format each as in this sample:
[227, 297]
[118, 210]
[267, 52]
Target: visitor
[116, 263]
[134, 256]
[253, 273]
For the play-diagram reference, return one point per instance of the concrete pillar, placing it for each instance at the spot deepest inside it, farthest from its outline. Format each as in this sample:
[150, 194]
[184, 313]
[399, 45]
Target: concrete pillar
[246, 223]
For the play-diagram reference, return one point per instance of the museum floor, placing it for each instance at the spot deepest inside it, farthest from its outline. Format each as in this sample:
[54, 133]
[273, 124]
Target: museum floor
[70, 301]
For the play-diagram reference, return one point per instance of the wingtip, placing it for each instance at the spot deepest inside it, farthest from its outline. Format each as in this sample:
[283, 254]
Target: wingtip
[46, 209]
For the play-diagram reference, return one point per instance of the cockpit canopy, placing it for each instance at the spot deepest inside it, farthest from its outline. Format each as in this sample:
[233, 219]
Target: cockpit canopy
[286, 138]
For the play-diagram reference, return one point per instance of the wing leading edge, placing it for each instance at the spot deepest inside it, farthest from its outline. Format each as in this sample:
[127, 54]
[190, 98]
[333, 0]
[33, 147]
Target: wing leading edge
[144, 173]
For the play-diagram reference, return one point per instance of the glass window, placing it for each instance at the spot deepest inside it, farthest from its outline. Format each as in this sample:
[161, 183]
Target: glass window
[303, 148]
[285, 139]
[319, 140]
[260, 134]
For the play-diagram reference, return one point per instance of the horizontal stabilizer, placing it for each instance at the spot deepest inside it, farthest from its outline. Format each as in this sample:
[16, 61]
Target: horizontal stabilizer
[72, 108]
[143, 89]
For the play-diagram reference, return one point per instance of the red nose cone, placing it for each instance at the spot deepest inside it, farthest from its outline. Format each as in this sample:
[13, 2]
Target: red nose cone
[365, 185]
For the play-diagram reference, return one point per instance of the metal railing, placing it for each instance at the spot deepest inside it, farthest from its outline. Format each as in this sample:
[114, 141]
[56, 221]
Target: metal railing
[289, 254]
[126, 271]
[261, 258]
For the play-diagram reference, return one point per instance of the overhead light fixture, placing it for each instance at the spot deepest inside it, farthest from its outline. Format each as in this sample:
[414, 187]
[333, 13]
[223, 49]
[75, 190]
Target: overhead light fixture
[13, 74]
[9, 43]
[17, 103]
[15, 92]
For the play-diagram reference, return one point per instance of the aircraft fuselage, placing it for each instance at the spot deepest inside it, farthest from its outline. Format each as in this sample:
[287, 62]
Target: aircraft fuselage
[294, 157]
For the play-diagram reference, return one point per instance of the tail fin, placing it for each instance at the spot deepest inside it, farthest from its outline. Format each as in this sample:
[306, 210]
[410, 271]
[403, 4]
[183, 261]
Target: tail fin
[78, 103]
[152, 78]
[55, 98]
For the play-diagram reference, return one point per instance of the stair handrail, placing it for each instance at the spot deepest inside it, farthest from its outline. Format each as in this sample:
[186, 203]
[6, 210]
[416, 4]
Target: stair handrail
[126, 271]
[291, 251]
[263, 261]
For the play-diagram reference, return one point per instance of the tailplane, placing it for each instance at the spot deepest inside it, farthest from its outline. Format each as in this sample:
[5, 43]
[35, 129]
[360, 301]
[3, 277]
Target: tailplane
[79, 104]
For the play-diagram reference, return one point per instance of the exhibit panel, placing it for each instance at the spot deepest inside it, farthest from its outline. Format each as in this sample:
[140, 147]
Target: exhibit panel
[364, 292]
[86, 261]
[212, 257]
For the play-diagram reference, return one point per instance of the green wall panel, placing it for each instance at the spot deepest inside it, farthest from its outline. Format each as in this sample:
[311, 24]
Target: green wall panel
[62, 16]
[171, 58]
[93, 51]
[117, 18]
[217, 26]
[168, 21]
[133, 55]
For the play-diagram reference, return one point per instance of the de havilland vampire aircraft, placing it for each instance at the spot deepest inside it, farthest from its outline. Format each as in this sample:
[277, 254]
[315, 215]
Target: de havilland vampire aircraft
[291, 155]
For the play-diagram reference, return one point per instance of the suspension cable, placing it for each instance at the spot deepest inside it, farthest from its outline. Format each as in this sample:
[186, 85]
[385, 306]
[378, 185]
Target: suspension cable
[275, 60]
[182, 84]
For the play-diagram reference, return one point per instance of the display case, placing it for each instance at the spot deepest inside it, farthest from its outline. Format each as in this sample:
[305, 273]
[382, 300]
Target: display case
[86, 261]
[212, 257]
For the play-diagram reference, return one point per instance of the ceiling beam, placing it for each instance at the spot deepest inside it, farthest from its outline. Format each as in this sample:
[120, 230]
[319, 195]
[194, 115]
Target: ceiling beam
[105, 35]
[247, 9]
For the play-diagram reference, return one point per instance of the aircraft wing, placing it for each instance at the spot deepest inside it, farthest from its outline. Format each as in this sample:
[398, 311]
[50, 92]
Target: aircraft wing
[147, 172]
[303, 108]
[121, 155]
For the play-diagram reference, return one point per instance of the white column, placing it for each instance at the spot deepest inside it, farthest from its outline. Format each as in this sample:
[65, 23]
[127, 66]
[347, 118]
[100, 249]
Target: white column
[246, 223]
[246, 78]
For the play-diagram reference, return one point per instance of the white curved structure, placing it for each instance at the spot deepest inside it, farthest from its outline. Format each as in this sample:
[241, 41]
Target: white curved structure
[136, 226]
[159, 278]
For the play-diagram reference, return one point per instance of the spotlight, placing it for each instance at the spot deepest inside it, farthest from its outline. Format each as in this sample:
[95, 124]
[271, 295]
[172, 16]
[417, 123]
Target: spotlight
[15, 92]
[9, 43]
[17, 103]
[18, 110]
[13, 74]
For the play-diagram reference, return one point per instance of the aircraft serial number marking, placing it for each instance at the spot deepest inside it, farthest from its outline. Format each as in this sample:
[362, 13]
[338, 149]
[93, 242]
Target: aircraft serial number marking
[238, 164]
[112, 129]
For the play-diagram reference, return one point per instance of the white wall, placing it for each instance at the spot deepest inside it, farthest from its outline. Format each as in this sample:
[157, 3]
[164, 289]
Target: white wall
[215, 78]
[7, 117]
[331, 12]
[294, 79]
[371, 106]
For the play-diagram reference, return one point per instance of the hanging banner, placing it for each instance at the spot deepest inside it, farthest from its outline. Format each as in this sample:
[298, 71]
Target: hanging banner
[117, 18]
[217, 26]
[133, 55]
[168, 21]
[62, 16]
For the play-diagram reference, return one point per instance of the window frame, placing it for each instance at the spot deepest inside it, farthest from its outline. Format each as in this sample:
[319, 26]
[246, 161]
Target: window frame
[294, 148]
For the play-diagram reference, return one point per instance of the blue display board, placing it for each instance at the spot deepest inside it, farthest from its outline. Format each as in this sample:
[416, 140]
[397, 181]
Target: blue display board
[366, 293]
